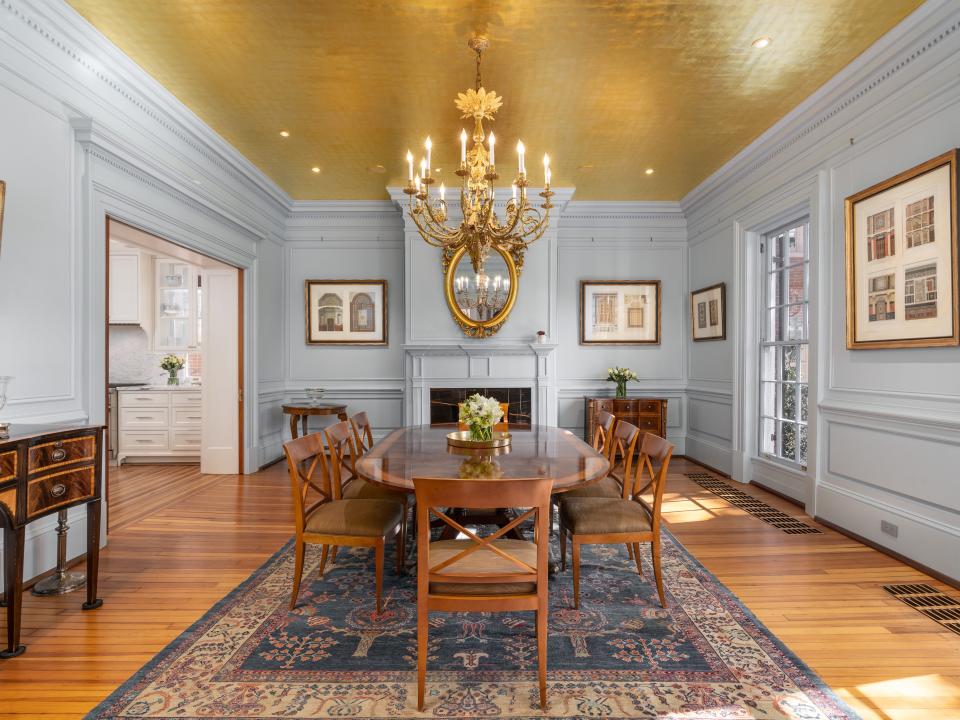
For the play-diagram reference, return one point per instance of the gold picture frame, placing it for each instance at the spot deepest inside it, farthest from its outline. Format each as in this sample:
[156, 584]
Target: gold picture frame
[708, 313]
[902, 259]
[346, 312]
[620, 312]
[472, 326]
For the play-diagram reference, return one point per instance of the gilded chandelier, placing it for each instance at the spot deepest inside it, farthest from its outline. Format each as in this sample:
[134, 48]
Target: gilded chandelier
[481, 230]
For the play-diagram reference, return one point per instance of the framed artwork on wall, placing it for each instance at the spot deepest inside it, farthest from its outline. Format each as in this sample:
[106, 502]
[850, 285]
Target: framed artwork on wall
[708, 312]
[619, 312]
[901, 270]
[346, 312]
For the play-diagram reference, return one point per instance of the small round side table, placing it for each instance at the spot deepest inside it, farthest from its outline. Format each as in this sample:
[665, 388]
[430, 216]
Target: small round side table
[306, 410]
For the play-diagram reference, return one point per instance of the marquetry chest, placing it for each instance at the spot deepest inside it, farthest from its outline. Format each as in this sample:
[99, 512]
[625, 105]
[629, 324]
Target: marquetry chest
[43, 470]
[648, 414]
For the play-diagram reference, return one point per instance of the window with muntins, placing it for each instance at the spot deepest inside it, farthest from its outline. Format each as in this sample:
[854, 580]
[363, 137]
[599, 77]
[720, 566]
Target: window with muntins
[784, 344]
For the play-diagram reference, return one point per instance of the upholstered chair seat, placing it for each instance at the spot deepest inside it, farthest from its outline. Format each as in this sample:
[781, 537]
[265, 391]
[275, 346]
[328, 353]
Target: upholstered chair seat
[598, 515]
[366, 518]
[606, 488]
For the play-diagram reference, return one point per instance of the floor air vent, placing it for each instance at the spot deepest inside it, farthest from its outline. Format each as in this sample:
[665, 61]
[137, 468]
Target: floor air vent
[751, 505]
[931, 602]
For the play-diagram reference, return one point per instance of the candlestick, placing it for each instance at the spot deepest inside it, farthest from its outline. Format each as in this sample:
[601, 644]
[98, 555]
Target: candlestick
[493, 140]
[409, 166]
[521, 166]
[463, 146]
[429, 146]
[443, 192]
[546, 169]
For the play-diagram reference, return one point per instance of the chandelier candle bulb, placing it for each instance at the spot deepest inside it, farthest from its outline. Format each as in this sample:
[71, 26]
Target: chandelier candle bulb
[409, 166]
[429, 146]
[546, 169]
[493, 141]
[514, 188]
[521, 168]
[463, 147]
[443, 193]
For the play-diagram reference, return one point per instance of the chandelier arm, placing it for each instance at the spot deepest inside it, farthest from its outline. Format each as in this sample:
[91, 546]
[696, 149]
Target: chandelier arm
[438, 226]
[427, 232]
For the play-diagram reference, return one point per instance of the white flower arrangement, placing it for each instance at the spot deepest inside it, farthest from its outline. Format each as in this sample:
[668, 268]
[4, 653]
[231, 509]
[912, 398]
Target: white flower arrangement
[480, 414]
[621, 376]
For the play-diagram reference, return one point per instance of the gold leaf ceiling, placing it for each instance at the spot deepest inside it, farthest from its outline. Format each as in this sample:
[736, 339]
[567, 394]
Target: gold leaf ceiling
[608, 88]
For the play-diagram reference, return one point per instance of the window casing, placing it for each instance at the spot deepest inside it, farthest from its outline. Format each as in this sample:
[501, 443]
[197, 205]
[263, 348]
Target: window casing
[784, 345]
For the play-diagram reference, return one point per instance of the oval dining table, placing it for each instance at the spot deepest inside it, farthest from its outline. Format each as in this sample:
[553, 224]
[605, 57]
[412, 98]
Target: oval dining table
[541, 451]
[537, 452]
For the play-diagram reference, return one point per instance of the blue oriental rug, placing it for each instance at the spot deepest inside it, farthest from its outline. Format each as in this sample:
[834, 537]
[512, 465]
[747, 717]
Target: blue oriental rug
[705, 657]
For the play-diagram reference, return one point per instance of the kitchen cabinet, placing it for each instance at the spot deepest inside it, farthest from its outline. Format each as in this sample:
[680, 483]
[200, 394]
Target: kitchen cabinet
[159, 424]
[125, 289]
[175, 320]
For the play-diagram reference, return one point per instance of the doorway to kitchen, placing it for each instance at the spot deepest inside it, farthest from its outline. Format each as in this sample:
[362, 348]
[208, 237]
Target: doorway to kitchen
[174, 362]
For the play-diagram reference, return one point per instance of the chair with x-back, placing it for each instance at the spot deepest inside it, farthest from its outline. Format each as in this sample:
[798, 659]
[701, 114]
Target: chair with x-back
[323, 517]
[482, 573]
[619, 448]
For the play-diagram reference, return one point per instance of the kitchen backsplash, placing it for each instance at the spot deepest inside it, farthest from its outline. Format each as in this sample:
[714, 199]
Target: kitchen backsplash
[131, 359]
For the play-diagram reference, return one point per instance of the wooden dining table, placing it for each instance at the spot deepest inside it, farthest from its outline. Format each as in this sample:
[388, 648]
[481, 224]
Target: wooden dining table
[541, 451]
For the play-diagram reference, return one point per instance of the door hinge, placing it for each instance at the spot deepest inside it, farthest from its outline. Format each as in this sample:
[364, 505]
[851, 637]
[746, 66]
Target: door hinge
[240, 395]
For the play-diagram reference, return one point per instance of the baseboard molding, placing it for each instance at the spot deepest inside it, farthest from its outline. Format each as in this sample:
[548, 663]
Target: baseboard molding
[709, 454]
[779, 494]
[704, 465]
[936, 574]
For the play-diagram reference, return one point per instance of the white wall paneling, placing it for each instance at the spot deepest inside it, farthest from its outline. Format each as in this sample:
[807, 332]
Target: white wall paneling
[885, 423]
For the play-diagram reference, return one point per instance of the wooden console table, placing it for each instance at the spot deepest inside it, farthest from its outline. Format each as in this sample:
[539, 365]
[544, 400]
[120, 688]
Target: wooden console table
[43, 470]
[648, 414]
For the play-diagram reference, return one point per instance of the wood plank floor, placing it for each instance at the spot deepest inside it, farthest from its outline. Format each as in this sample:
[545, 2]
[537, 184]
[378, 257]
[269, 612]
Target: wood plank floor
[820, 594]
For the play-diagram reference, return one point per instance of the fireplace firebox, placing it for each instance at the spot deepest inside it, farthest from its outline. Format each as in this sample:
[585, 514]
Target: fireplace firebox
[444, 404]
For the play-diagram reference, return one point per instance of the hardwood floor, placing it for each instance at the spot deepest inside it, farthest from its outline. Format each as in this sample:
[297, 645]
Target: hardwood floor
[820, 594]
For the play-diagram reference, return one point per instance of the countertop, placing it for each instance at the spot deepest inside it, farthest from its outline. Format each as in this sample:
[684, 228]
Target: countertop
[154, 388]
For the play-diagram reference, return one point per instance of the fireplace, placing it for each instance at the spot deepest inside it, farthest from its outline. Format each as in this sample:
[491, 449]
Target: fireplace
[444, 402]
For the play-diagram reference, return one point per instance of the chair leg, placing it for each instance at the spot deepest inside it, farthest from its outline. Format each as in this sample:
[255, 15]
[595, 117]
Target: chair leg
[400, 553]
[629, 551]
[542, 654]
[297, 572]
[333, 554]
[563, 548]
[576, 573]
[379, 572]
[636, 557]
[323, 558]
[655, 552]
[422, 629]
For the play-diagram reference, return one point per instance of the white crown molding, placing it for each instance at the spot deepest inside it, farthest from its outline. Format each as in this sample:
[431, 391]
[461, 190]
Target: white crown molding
[628, 213]
[898, 50]
[561, 197]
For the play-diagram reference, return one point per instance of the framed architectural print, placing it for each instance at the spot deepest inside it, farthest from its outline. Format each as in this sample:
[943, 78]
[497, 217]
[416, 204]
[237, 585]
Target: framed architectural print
[346, 312]
[708, 310]
[901, 242]
[620, 312]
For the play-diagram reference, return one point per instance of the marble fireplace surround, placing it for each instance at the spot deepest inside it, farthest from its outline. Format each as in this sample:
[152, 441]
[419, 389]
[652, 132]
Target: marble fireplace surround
[517, 365]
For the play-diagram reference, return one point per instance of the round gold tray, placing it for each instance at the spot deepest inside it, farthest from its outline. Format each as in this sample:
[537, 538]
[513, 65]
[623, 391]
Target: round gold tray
[462, 439]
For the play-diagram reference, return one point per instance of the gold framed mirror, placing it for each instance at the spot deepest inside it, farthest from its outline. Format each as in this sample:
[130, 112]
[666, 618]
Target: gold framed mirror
[480, 302]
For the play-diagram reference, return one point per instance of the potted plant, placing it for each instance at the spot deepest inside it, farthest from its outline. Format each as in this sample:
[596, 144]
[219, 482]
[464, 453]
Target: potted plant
[621, 376]
[480, 414]
[173, 365]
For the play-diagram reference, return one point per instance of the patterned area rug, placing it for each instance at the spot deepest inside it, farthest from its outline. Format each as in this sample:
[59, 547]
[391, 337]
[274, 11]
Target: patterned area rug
[620, 656]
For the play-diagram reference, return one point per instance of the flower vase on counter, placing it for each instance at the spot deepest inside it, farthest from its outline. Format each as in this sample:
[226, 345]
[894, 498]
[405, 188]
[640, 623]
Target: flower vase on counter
[173, 365]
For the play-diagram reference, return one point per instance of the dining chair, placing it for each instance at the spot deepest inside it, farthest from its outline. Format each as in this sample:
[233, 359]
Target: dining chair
[323, 517]
[343, 458]
[482, 574]
[620, 450]
[629, 519]
[501, 426]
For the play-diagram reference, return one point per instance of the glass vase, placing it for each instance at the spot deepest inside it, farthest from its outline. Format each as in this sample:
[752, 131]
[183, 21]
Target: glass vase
[173, 377]
[621, 388]
[481, 432]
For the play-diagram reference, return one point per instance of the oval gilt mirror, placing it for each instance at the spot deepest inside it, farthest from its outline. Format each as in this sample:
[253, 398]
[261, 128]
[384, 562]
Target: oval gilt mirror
[481, 302]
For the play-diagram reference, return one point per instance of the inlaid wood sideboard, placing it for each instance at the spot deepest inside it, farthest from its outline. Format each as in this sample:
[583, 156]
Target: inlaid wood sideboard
[648, 414]
[45, 469]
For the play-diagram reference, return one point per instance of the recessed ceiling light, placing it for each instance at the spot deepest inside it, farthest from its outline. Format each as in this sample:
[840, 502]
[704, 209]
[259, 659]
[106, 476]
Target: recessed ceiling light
[438, 169]
[315, 169]
[585, 168]
[649, 171]
[284, 133]
[761, 42]
[378, 169]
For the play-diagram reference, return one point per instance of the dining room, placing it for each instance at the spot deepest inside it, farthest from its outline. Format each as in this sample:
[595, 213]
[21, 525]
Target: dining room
[589, 359]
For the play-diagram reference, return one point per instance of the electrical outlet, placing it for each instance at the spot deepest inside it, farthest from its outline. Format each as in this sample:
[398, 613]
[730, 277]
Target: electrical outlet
[889, 528]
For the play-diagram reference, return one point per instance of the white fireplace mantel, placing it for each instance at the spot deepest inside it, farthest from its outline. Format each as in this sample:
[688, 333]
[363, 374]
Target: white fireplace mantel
[531, 365]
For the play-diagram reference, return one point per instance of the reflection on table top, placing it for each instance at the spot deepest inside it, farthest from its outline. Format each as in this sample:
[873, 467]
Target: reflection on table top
[541, 451]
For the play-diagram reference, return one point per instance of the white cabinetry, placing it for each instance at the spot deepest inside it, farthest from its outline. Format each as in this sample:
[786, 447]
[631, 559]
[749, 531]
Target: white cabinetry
[175, 322]
[159, 424]
[125, 288]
